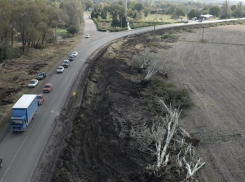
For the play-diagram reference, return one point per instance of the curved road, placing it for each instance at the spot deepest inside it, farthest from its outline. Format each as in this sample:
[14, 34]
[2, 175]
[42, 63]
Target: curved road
[21, 151]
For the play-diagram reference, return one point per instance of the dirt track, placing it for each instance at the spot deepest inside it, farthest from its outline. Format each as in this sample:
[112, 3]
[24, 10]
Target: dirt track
[214, 74]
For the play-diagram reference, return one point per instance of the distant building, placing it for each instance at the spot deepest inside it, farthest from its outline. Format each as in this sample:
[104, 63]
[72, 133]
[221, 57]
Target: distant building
[206, 17]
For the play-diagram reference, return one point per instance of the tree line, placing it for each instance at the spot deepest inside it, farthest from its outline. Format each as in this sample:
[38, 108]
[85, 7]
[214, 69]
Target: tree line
[33, 22]
[223, 12]
[116, 11]
[139, 10]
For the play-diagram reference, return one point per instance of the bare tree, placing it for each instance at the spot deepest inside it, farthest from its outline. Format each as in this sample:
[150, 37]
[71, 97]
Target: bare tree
[160, 134]
[157, 139]
[141, 60]
[154, 65]
[191, 161]
[150, 61]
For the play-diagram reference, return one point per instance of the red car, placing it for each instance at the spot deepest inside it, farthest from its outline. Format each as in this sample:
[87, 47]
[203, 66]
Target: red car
[40, 99]
[48, 87]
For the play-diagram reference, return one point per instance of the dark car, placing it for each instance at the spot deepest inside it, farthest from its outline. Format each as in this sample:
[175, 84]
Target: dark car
[1, 162]
[71, 58]
[66, 64]
[41, 76]
[40, 99]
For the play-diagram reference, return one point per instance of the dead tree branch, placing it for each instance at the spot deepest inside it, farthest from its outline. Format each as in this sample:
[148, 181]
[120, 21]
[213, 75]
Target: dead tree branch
[160, 134]
[156, 140]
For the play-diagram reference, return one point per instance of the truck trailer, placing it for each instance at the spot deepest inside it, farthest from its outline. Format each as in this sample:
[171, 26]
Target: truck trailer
[23, 112]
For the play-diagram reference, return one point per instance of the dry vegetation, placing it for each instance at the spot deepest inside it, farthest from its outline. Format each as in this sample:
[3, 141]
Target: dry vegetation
[15, 74]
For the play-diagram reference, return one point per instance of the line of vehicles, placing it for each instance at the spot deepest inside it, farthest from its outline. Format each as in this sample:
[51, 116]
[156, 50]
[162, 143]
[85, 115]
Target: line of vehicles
[66, 63]
[195, 18]
[25, 108]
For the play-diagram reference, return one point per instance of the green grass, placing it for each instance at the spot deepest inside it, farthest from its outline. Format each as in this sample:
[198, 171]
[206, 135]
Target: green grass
[158, 17]
[61, 32]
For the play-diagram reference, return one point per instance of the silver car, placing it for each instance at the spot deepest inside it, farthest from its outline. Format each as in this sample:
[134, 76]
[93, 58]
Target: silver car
[60, 69]
[33, 83]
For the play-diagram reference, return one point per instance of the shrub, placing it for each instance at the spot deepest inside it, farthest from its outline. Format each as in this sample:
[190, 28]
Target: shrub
[170, 37]
[167, 90]
[191, 30]
[72, 30]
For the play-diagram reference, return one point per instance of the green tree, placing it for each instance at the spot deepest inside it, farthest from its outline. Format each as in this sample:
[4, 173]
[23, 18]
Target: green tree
[94, 14]
[130, 13]
[179, 12]
[27, 25]
[206, 8]
[225, 10]
[72, 30]
[214, 10]
[239, 10]
[89, 4]
[123, 22]
[233, 7]
[6, 10]
[115, 14]
[138, 7]
[171, 9]
[73, 9]
[115, 23]
[138, 15]
[192, 14]
[146, 11]
[205, 12]
[103, 15]
[53, 16]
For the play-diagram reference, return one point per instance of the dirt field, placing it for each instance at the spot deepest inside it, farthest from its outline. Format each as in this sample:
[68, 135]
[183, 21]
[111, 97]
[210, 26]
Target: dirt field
[214, 74]
[98, 146]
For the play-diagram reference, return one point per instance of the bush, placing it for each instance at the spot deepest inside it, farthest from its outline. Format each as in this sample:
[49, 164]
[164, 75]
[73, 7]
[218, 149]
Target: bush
[72, 30]
[117, 29]
[170, 37]
[167, 90]
[191, 30]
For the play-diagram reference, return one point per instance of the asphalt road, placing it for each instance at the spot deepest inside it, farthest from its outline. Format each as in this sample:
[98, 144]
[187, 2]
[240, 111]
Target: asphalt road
[21, 151]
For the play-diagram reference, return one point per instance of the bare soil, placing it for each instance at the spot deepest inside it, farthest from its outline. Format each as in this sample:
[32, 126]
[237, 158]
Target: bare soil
[97, 146]
[214, 74]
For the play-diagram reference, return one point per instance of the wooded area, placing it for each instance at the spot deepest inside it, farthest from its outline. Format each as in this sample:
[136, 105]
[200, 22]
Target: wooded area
[33, 23]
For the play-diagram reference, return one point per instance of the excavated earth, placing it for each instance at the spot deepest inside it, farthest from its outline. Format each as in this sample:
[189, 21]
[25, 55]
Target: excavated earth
[98, 147]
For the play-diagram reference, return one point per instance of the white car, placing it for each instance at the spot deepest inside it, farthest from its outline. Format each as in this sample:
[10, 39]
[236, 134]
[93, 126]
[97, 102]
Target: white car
[86, 36]
[60, 69]
[75, 54]
[33, 83]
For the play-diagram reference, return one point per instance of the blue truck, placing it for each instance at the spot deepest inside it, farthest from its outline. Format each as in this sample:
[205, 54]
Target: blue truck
[23, 112]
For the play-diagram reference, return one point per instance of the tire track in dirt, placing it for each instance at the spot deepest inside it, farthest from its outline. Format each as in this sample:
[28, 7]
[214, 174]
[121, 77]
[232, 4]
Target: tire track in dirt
[213, 73]
[234, 87]
[219, 82]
